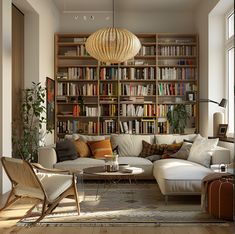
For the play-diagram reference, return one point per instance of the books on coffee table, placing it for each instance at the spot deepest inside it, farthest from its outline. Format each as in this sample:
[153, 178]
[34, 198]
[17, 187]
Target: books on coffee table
[132, 169]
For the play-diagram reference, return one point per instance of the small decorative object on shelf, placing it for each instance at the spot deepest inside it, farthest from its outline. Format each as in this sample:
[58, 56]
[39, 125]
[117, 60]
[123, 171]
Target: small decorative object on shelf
[131, 97]
[222, 130]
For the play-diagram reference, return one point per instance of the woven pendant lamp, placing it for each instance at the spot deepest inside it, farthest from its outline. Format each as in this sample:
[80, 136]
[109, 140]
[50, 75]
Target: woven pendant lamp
[112, 45]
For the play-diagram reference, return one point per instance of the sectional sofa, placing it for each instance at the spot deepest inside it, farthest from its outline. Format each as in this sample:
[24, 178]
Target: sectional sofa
[174, 176]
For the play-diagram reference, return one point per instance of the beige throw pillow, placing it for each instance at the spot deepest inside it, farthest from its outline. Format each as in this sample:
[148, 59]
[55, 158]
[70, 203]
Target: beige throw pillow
[201, 150]
[183, 152]
[82, 148]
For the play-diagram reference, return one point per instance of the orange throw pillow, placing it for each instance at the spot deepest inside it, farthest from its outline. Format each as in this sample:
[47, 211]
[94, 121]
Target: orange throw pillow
[82, 148]
[100, 148]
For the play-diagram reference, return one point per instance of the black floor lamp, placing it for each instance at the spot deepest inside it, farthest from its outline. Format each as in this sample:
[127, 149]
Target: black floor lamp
[222, 103]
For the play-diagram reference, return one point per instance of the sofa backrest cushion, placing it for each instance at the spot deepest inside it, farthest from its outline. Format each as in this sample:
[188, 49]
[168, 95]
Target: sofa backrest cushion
[173, 138]
[66, 150]
[129, 145]
[86, 137]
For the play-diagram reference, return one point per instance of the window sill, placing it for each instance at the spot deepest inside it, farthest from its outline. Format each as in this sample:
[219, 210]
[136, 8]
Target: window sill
[224, 139]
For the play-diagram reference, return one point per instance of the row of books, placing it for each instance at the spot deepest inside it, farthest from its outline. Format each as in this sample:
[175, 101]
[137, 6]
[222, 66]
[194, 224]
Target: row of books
[109, 73]
[138, 90]
[72, 89]
[79, 51]
[108, 89]
[147, 50]
[140, 74]
[177, 50]
[74, 126]
[131, 73]
[176, 62]
[137, 110]
[176, 40]
[138, 126]
[78, 73]
[176, 73]
[108, 126]
[108, 110]
[163, 127]
[192, 110]
[167, 89]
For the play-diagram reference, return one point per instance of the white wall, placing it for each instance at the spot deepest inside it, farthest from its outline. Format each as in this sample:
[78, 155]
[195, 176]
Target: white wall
[209, 26]
[201, 25]
[41, 23]
[5, 88]
[137, 22]
[42, 18]
[216, 72]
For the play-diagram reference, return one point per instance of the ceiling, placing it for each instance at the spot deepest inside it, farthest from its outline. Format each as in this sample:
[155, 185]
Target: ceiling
[125, 5]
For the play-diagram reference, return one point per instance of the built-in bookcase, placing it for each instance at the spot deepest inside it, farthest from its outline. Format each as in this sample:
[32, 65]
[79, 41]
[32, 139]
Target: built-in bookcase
[131, 97]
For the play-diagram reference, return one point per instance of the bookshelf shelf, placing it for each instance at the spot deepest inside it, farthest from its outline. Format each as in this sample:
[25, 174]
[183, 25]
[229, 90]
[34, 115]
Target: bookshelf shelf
[131, 97]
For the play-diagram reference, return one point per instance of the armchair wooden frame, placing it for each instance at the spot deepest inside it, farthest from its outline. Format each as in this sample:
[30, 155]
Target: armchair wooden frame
[22, 172]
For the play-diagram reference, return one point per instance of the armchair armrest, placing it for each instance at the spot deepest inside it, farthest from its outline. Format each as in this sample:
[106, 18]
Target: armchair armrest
[39, 167]
[47, 156]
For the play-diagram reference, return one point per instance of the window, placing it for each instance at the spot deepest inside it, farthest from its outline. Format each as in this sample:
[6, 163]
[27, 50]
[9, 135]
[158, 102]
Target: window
[229, 50]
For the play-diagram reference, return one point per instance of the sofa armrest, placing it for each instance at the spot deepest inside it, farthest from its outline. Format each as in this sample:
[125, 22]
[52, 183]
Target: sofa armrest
[47, 156]
[220, 155]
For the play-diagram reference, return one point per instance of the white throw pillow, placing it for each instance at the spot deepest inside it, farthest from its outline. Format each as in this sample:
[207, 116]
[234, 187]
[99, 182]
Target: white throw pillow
[129, 145]
[202, 149]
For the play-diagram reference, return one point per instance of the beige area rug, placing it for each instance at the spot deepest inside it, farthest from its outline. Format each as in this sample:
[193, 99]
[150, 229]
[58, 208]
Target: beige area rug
[125, 204]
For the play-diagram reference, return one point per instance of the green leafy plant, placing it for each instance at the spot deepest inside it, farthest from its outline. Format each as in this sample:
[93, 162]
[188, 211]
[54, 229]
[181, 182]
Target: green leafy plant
[177, 117]
[32, 119]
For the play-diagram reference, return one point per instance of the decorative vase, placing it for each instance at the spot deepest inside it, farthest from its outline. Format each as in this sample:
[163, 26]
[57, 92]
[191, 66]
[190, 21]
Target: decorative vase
[218, 118]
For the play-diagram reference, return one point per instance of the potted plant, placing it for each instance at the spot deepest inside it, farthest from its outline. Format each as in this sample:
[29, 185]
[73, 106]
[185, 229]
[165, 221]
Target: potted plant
[31, 121]
[177, 117]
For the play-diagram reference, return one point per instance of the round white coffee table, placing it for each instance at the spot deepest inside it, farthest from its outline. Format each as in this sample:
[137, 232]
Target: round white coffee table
[112, 177]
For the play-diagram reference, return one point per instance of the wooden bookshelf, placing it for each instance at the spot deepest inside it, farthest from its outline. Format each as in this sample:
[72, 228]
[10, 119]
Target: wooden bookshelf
[131, 97]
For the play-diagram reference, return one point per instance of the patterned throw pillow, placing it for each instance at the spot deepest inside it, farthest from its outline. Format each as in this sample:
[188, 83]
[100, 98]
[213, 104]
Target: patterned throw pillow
[100, 148]
[82, 148]
[171, 149]
[151, 149]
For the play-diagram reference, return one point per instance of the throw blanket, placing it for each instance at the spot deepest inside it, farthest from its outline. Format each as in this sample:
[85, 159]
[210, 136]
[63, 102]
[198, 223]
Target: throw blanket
[205, 182]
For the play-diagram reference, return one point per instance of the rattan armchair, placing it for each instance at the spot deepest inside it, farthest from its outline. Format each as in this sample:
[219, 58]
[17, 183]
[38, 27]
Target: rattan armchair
[48, 186]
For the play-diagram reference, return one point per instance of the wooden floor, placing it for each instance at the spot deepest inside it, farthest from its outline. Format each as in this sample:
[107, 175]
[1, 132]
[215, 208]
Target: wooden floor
[10, 216]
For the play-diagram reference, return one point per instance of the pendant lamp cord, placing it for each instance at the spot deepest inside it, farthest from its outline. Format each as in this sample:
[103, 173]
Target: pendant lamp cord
[113, 14]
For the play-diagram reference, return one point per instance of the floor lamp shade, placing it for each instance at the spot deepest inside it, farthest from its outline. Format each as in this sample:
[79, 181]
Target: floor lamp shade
[112, 45]
[218, 118]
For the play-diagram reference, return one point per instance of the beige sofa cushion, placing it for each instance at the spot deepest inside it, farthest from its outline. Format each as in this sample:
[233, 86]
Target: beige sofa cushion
[129, 145]
[143, 163]
[79, 164]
